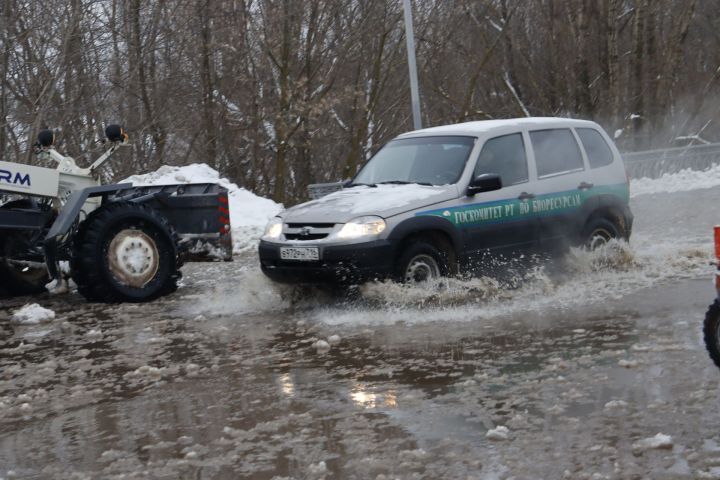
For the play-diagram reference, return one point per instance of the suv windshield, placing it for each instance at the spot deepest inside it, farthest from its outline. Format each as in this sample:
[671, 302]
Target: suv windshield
[424, 160]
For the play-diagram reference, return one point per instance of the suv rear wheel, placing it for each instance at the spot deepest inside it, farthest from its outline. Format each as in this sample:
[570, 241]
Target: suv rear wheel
[598, 232]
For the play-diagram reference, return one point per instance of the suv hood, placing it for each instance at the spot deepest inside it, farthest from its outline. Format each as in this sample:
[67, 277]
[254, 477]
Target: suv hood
[384, 201]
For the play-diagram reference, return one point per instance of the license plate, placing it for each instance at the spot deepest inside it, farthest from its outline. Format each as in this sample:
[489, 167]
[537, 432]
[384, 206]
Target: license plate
[302, 254]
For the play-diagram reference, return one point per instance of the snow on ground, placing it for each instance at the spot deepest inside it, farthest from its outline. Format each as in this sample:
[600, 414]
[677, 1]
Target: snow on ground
[682, 181]
[32, 314]
[248, 212]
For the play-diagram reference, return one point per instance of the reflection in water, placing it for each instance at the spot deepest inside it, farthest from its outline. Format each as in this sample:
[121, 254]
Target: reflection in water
[363, 399]
[286, 384]
[391, 399]
[366, 399]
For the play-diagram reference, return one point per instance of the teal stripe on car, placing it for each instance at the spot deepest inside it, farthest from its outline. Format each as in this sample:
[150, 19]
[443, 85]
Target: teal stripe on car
[514, 209]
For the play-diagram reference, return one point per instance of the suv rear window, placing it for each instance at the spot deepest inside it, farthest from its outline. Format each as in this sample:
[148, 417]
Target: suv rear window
[598, 152]
[504, 156]
[556, 151]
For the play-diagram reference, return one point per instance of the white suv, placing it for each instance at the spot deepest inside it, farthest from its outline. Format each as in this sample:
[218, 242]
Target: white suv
[434, 202]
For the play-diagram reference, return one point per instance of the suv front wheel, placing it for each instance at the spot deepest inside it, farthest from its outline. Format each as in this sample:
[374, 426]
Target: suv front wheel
[421, 262]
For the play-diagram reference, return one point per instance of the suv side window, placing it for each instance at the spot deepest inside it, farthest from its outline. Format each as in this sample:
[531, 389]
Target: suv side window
[504, 156]
[598, 152]
[556, 151]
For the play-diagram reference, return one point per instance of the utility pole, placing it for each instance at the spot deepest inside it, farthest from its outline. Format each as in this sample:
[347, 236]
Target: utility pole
[412, 67]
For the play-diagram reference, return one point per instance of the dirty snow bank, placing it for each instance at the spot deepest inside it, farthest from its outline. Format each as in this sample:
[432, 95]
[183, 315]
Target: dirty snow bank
[248, 212]
[682, 181]
[32, 314]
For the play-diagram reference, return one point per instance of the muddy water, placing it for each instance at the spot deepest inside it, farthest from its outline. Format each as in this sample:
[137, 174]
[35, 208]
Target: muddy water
[224, 379]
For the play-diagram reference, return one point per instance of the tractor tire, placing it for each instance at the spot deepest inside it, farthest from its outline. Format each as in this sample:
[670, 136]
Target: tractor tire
[711, 332]
[18, 279]
[125, 252]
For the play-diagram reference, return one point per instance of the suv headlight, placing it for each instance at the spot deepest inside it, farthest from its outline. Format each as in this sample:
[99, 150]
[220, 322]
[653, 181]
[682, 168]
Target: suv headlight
[273, 230]
[362, 227]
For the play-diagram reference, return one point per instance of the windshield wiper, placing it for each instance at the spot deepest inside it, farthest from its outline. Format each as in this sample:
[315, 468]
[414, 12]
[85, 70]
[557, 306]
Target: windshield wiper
[404, 182]
[350, 185]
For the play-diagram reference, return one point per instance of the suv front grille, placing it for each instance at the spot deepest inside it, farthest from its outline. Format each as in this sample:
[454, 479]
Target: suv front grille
[308, 231]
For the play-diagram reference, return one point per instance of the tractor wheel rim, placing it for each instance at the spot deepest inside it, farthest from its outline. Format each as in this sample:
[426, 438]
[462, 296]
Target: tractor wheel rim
[421, 269]
[133, 258]
[598, 238]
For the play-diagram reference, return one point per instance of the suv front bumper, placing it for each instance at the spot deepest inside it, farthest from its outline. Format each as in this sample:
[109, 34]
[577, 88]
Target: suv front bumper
[343, 264]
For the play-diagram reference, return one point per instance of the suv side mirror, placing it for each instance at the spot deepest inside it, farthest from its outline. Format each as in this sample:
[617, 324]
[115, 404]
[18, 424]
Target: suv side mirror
[487, 182]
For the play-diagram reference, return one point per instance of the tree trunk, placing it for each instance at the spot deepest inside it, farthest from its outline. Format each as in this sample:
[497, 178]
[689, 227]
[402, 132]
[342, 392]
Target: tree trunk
[508, 58]
[582, 88]
[613, 59]
[4, 62]
[637, 80]
[674, 56]
[208, 87]
[652, 73]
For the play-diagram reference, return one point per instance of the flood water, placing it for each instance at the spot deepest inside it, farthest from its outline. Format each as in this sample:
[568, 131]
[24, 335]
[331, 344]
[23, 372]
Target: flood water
[580, 363]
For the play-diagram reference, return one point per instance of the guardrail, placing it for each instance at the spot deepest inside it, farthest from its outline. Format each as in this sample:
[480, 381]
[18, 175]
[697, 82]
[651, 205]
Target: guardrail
[317, 190]
[655, 163]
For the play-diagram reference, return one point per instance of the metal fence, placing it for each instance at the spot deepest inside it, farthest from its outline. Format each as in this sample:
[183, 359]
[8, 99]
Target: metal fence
[655, 163]
[317, 190]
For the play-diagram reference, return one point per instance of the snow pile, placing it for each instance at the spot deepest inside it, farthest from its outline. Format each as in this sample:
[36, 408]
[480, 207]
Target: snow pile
[32, 314]
[615, 405]
[248, 212]
[321, 346]
[499, 433]
[659, 441]
[682, 181]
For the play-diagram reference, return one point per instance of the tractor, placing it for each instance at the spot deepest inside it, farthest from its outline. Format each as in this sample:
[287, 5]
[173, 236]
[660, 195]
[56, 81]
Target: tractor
[117, 242]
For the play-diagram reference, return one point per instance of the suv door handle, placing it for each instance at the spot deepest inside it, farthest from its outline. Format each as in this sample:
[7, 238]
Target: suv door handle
[585, 186]
[526, 196]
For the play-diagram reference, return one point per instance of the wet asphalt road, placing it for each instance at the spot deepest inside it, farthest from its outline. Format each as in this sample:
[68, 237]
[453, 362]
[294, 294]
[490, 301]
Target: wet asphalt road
[224, 380]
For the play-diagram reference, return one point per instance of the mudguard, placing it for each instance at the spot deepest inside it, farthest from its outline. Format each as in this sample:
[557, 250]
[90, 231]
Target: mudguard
[606, 202]
[74, 204]
[419, 224]
[67, 217]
